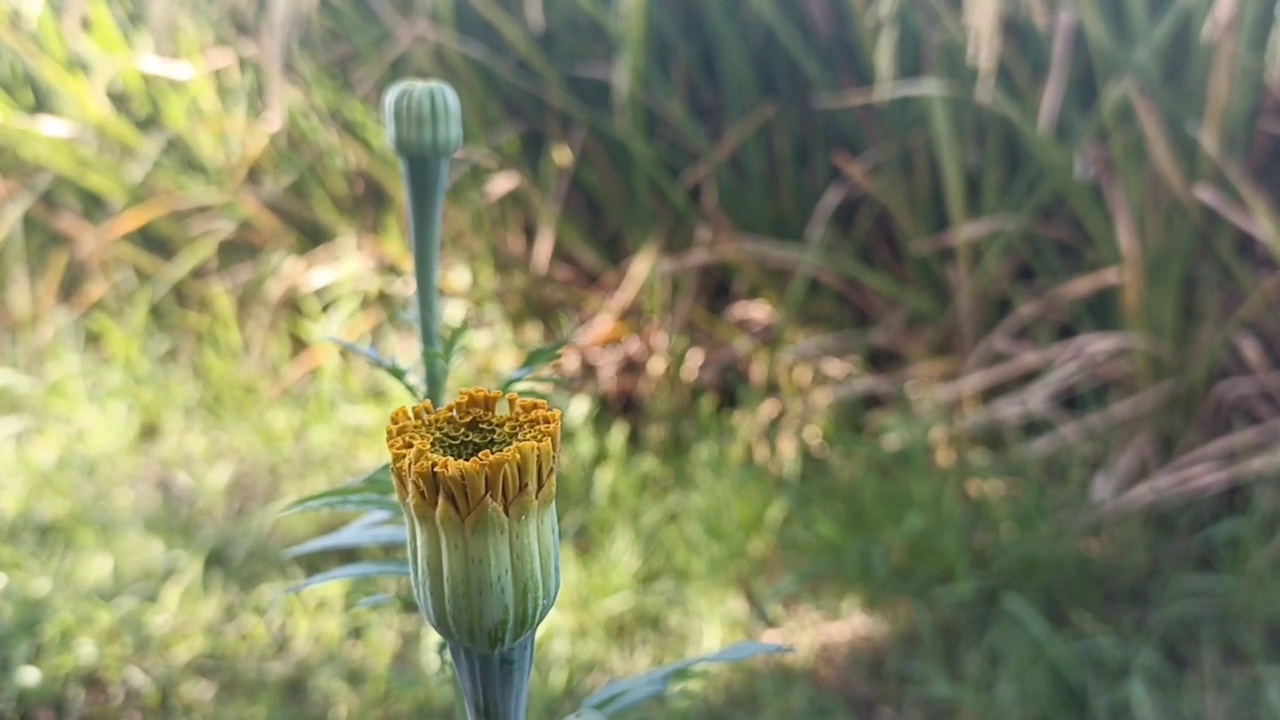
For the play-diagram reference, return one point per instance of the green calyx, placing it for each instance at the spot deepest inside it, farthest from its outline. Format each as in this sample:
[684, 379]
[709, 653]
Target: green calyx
[423, 118]
[487, 581]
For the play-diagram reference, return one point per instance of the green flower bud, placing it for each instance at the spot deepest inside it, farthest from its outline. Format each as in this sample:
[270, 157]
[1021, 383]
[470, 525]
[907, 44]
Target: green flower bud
[423, 118]
[478, 491]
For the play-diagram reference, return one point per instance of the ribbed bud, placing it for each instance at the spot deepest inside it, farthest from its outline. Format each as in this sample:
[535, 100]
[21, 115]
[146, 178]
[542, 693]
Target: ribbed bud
[423, 118]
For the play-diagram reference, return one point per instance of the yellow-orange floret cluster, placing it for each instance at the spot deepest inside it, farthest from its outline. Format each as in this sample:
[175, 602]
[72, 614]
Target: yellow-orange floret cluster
[466, 452]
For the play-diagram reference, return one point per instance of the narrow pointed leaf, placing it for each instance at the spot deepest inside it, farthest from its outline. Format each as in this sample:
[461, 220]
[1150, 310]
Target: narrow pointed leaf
[355, 571]
[452, 342]
[376, 483]
[343, 501]
[350, 538]
[534, 361]
[620, 695]
[389, 366]
[376, 600]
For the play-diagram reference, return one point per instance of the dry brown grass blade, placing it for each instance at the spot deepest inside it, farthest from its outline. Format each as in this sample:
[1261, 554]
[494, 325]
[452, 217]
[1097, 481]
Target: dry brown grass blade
[1128, 239]
[138, 216]
[820, 218]
[1157, 141]
[1263, 218]
[1055, 85]
[766, 251]
[19, 198]
[1121, 474]
[985, 29]
[1249, 391]
[727, 145]
[640, 268]
[1196, 481]
[1073, 290]
[314, 356]
[1093, 347]
[1240, 441]
[48, 291]
[18, 294]
[917, 87]
[891, 384]
[1041, 398]
[967, 233]
[1128, 410]
[564, 157]
[985, 379]
[858, 170]
[1231, 211]
[1220, 30]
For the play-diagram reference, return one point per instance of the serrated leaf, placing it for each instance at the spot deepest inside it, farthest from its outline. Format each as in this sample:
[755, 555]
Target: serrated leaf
[448, 346]
[389, 366]
[534, 361]
[620, 695]
[355, 571]
[350, 538]
[377, 483]
[452, 342]
[531, 386]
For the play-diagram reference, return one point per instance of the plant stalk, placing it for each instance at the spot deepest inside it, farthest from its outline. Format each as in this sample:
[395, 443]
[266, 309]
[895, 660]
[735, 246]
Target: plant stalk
[426, 179]
[494, 686]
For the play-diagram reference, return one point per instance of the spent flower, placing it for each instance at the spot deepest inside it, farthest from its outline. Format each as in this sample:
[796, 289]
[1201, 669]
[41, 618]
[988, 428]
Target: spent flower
[478, 491]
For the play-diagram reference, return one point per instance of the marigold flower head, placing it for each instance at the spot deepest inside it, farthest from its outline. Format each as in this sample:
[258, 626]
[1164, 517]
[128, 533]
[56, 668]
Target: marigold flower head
[478, 491]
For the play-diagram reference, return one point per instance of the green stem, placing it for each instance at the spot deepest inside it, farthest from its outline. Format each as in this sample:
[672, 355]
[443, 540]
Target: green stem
[426, 179]
[494, 686]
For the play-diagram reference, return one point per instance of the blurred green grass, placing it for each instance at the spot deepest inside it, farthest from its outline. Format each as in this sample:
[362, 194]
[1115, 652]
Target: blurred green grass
[875, 307]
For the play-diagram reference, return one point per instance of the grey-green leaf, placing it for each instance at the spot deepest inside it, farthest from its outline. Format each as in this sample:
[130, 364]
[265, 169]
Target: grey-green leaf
[377, 482]
[343, 500]
[354, 571]
[620, 695]
[389, 366]
[376, 600]
[535, 360]
[349, 538]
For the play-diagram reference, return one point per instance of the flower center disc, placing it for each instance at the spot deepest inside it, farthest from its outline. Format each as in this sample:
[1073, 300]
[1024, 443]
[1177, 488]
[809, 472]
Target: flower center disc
[467, 437]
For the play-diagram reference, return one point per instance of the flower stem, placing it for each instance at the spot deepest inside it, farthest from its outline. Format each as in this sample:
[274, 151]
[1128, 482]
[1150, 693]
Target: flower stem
[495, 686]
[426, 179]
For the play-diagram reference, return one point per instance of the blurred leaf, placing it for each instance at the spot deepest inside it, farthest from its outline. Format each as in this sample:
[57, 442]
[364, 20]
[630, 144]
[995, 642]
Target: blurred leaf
[447, 352]
[387, 365]
[350, 538]
[452, 342]
[534, 361]
[377, 600]
[371, 492]
[620, 695]
[341, 500]
[355, 571]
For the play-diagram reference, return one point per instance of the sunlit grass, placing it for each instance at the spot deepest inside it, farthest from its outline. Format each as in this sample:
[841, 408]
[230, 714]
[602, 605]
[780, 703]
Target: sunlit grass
[142, 574]
[142, 555]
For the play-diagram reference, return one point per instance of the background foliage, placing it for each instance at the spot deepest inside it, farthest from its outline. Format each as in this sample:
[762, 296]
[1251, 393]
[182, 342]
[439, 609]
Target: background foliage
[936, 338]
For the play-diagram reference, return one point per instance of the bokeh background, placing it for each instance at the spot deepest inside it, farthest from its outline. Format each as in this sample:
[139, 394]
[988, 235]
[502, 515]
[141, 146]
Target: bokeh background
[937, 338]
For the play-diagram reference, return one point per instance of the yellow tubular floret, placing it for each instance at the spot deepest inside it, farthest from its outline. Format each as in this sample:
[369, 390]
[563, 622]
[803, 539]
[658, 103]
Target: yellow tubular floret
[466, 452]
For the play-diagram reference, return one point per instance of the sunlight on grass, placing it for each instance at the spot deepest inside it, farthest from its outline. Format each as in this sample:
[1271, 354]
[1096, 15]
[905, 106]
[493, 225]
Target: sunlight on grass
[141, 553]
